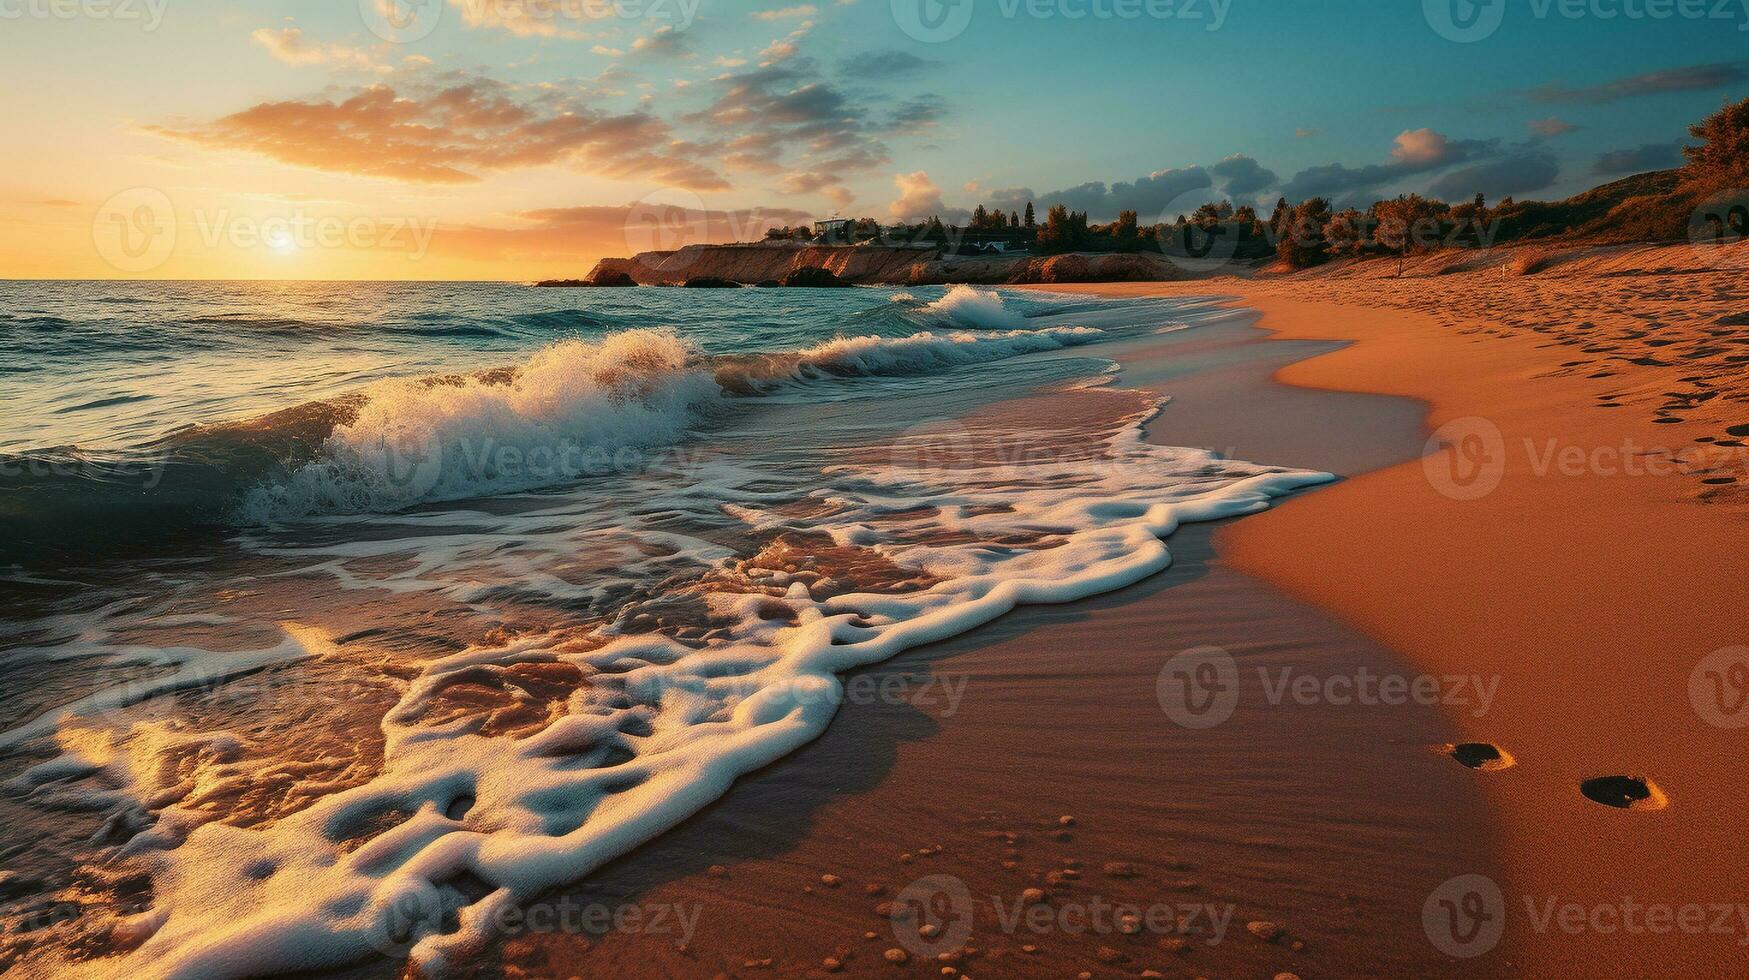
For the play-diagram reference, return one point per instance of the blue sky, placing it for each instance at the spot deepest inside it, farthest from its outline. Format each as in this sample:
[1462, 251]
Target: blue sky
[794, 110]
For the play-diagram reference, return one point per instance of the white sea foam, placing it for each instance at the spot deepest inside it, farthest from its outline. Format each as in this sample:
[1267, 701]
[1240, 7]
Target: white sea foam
[453, 439]
[920, 353]
[564, 412]
[395, 861]
[980, 309]
[658, 729]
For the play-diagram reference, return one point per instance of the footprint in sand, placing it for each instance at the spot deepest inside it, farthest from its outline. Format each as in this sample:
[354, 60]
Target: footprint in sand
[1625, 792]
[1485, 756]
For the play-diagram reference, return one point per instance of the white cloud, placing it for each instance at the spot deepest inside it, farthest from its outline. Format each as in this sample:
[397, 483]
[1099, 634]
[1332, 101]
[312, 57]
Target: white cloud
[919, 197]
[289, 45]
[1421, 147]
[800, 10]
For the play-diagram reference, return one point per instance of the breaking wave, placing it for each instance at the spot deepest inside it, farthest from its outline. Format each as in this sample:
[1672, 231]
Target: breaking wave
[558, 415]
[979, 309]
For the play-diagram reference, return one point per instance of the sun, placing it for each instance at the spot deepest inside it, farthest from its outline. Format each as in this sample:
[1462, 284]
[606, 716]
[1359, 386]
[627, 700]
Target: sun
[282, 242]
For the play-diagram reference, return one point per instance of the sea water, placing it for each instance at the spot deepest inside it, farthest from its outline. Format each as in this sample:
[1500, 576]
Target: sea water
[341, 616]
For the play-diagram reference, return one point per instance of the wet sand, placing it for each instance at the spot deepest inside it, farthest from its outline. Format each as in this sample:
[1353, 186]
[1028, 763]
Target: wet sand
[1332, 821]
[1600, 593]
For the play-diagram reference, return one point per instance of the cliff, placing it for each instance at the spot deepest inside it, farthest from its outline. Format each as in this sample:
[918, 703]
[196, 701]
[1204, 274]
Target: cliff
[879, 265]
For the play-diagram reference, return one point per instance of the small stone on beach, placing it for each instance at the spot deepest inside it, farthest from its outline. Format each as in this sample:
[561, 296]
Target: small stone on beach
[896, 955]
[1263, 929]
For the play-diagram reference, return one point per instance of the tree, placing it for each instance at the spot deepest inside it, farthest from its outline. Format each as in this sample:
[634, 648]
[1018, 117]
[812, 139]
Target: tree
[1013, 219]
[1411, 223]
[1124, 230]
[1057, 234]
[1027, 221]
[1212, 214]
[1349, 231]
[980, 218]
[1304, 244]
[1724, 144]
[1469, 221]
[1280, 218]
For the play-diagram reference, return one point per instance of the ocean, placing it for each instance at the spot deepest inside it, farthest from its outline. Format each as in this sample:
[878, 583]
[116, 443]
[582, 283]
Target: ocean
[340, 616]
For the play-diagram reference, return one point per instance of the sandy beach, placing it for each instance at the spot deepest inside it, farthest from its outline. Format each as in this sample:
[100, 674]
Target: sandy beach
[1331, 821]
[1466, 711]
[1559, 616]
[1594, 589]
[890, 489]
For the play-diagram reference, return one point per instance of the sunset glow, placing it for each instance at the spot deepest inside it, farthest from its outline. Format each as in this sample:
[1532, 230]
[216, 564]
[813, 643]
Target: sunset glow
[524, 139]
[884, 489]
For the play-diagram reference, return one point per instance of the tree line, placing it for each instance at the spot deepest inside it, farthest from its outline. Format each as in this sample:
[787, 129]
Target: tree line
[1312, 231]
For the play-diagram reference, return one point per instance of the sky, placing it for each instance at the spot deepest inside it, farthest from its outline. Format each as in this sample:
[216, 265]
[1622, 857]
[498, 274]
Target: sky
[523, 139]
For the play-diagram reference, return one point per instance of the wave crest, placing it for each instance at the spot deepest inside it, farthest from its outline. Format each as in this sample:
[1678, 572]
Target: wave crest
[920, 353]
[978, 309]
[459, 437]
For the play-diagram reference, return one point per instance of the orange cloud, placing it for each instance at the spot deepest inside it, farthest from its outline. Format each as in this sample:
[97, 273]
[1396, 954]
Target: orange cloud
[453, 135]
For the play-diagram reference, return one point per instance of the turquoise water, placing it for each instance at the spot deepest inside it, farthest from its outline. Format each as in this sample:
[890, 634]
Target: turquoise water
[156, 407]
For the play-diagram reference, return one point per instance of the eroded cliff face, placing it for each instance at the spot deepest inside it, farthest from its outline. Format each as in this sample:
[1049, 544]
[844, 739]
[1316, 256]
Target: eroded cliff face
[881, 265]
[759, 263]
